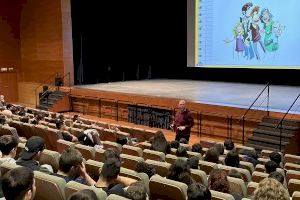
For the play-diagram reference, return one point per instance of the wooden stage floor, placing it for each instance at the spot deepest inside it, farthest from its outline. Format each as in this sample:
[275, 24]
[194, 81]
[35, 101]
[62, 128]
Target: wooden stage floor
[239, 95]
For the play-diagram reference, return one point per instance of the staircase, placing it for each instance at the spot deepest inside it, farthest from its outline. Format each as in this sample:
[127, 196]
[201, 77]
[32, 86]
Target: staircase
[266, 136]
[54, 96]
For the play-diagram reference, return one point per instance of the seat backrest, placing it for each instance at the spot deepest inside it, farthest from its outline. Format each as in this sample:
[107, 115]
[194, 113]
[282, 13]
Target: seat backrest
[291, 166]
[102, 124]
[99, 155]
[109, 135]
[6, 166]
[153, 155]
[86, 151]
[263, 160]
[162, 168]
[129, 161]
[138, 133]
[251, 187]
[294, 185]
[49, 187]
[260, 168]
[238, 147]
[172, 190]
[131, 150]
[237, 185]
[20, 147]
[289, 158]
[199, 176]
[51, 158]
[259, 176]
[144, 145]
[247, 165]
[172, 158]
[131, 174]
[244, 172]
[113, 145]
[190, 154]
[76, 131]
[292, 174]
[220, 196]
[93, 168]
[73, 186]
[126, 129]
[207, 166]
[296, 195]
[63, 144]
[116, 197]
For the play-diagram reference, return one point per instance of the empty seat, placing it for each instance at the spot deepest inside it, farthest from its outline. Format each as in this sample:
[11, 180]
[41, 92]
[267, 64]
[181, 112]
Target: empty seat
[116, 197]
[263, 160]
[296, 195]
[220, 196]
[112, 145]
[72, 187]
[294, 185]
[126, 129]
[102, 124]
[144, 145]
[163, 188]
[291, 166]
[149, 134]
[49, 187]
[138, 133]
[109, 135]
[289, 158]
[237, 185]
[251, 187]
[260, 168]
[131, 150]
[247, 165]
[51, 158]
[199, 176]
[238, 147]
[99, 155]
[93, 168]
[86, 151]
[259, 176]
[207, 166]
[129, 161]
[162, 168]
[63, 144]
[153, 155]
[292, 174]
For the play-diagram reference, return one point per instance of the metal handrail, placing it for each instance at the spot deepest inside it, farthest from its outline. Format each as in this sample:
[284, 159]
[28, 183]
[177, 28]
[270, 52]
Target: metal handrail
[281, 121]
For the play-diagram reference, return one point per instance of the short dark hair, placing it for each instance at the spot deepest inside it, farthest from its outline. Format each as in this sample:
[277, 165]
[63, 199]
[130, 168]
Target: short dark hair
[178, 167]
[136, 191]
[235, 174]
[212, 155]
[143, 167]
[183, 140]
[218, 181]
[85, 194]
[75, 117]
[71, 157]
[110, 169]
[193, 162]
[198, 191]
[111, 153]
[181, 152]
[174, 144]
[24, 119]
[278, 176]
[59, 124]
[232, 159]
[228, 144]
[276, 157]
[17, 182]
[197, 148]
[122, 139]
[2, 119]
[220, 148]
[7, 143]
[271, 166]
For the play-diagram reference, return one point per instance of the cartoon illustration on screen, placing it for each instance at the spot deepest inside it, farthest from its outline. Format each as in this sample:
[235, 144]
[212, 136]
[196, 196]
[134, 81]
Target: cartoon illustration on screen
[256, 33]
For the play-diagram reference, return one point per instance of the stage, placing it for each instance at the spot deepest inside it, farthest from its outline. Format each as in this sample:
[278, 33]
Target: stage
[239, 95]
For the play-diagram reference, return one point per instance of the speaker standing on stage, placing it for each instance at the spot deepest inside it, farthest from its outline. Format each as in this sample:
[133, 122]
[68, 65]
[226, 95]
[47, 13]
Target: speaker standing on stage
[183, 122]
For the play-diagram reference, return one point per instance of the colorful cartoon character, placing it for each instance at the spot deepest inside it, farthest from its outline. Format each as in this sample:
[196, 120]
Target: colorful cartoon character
[245, 20]
[255, 31]
[238, 32]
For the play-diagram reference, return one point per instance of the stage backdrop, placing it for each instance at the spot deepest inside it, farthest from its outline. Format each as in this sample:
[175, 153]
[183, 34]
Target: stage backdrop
[243, 34]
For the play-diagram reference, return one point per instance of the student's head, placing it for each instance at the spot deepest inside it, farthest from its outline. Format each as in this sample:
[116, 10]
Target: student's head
[271, 166]
[159, 142]
[85, 194]
[269, 188]
[143, 167]
[8, 145]
[24, 119]
[228, 144]
[75, 118]
[181, 152]
[193, 162]
[212, 155]
[246, 8]
[110, 169]
[183, 141]
[235, 174]
[33, 148]
[111, 153]
[59, 124]
[53, 115]
[136, 191]
[276, 157]
[178, 167]
[220, 148]
[197, 191]
[122, 139]
[197, 148]
[174, 144]
[218, 181]
[2, 120]
[19, 184]
[181, 105]
[70, 161]
[278, 176]
[232, 159]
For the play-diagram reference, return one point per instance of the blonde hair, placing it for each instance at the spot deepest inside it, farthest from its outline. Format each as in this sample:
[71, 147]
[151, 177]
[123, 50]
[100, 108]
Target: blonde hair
[235, 33]
[270, 189]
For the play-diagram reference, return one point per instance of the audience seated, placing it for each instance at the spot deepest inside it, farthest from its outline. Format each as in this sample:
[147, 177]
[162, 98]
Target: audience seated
[235, 174]
[136, 191]
[183, 141]
[76, 119]
[174, 144]
[218, 181]
[249, 156]
[212, 155]
[232, 159]
[228, 144]
[90, 137]
[197, 148]
[220, 148]
[64, 131]
[269, 188]
[193, 162]
[111, 153]
[85, 194]
[143, 167]
[2, 101]
[276, 157]
[19, 184]
[72, 167]
[278, 176]
[160, 143]
[181, 151]
[179, 171]
[197, 191]
[8, 147]
[270, 166]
